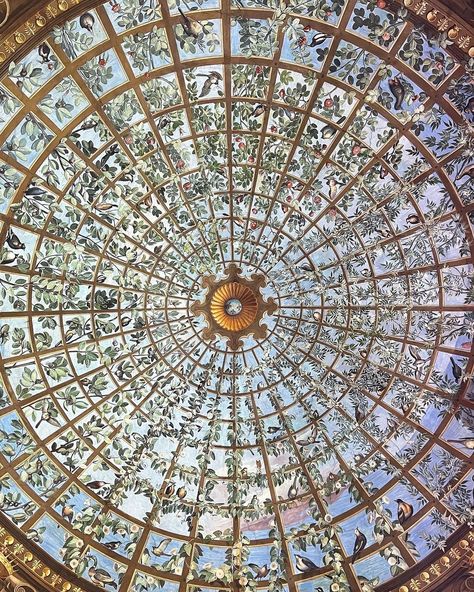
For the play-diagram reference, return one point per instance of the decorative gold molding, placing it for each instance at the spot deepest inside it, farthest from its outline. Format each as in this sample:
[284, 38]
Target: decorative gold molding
[12, 43]
[13, 554]
[460, 556]
[435, 15]
[251, 289]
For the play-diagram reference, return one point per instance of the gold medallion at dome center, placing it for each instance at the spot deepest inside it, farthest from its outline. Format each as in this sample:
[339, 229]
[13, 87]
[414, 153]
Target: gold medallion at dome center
[234, 306]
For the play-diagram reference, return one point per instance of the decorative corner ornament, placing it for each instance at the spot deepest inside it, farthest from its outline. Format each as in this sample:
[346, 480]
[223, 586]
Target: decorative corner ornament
[234, 307]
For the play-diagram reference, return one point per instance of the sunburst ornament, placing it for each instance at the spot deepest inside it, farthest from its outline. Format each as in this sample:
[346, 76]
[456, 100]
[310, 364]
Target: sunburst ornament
[234, 307]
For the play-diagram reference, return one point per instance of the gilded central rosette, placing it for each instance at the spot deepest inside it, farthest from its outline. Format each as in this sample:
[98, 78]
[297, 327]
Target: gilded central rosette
[234, 306]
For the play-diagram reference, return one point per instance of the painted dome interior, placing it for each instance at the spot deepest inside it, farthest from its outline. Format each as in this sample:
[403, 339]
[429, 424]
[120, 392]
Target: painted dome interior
[326, 145]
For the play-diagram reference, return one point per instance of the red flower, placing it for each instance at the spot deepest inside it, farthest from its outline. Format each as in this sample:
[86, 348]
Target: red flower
[328, 103]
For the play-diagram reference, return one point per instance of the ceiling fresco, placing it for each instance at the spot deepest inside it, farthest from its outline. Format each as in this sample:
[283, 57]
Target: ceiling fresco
[325, 147]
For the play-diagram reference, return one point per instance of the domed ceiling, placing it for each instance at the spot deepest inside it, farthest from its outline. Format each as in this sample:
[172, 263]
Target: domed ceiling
[312, 159]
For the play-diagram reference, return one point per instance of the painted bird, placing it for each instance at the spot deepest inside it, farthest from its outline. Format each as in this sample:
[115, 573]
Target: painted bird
[13, 241]
[317, 39]
[359, 414]
[466, 171]
[467, 442]
[43, 52]
[68, 512]
[405, 511]
[293, 490]
[397, 90]
[259, 110]
[260, 572]
[112, 545]
[212, 79]
[159, 550]
[328, 131]
[181, 492]
[418, 360]
[169, 490]
[304, 564]
[87, 21]
[413, 219]
[191, 28]
[100, 577]
[456, 370]
[359, 544]
[96, 484]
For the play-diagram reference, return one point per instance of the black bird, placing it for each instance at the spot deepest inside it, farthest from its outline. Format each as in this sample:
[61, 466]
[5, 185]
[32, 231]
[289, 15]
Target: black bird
[112, 545]
[456, 370]
[259, 110]
[359, 544]
[169, 489]
[13, 241]
[317, 39]
[87, 21]
[398, 91]
[34, 191]
[43, 52]
[304, 564]
[405, 511]
[293, 490]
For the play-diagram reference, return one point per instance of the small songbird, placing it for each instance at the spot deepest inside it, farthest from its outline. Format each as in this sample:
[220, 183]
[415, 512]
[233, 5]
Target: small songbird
[456, 370]
[43, 52]
[466, 171]
[13, 241]
[418, 360]
[260, 572]
[159, 550]
[304, 564]
[359, 414]
[293, 490]
[413, 219]
[96, 484]
[359, 544]
[191, 28]
[328, 131]
[317, 39]
[405, 511]
[212, 79]
[259, 110]
[112, 545]
[100, 577]
[397, 90]
[467, 442]
[62, 448]
[87, 21]
[169, 490]
[333, 188]
[68, 512]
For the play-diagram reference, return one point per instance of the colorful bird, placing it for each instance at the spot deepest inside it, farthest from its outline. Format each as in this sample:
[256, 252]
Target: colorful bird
[413, 219]
[359, 544]
[100, 577]
[405, 511]
[96, 484]
[68, 512]
[260, 572]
